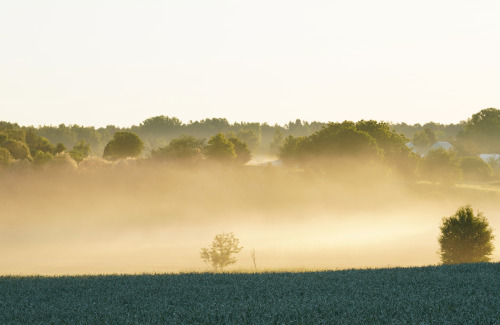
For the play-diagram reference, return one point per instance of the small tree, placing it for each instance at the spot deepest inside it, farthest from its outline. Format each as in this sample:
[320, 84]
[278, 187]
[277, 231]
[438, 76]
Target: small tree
[465, 237]
[220, 254]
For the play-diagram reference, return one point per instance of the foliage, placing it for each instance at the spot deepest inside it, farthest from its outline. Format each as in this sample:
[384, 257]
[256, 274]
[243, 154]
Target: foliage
[123, 145]
[465, 237]
[346, 141]
[5, 157]
[80, 151]
[481, 133]
[220, 149]
[38, 143]
[159, 126]
[185, 148]
[42, 158]
[60, 148]
[250, 133]
[441, 166]
[396, 153]
[450, 294]
[18, 149]
[278, 139]
[475, 169]
[220, 254]
[290, 150]
[241, 149]
[424, 138]
[63, 162]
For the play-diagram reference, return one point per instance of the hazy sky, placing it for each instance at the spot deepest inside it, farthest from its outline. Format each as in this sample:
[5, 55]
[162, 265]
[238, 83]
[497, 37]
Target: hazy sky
[122, 61]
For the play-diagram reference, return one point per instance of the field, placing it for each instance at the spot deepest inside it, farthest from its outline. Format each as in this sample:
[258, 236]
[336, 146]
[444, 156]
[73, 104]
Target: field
[458, 294]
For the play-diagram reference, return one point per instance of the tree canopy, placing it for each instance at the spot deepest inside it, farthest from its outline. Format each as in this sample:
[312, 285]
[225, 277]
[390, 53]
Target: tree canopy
[185, 149]
[465, 237]
[366, 141]
[220, 149]
[441, 166]
[481, 133]
[123, 145]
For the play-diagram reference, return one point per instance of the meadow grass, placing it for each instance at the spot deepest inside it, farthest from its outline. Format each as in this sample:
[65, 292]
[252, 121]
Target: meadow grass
[456, 294]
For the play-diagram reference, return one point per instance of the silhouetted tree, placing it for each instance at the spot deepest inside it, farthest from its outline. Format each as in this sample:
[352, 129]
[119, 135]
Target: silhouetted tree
[465, 237]
[220, 254]
[123, 145]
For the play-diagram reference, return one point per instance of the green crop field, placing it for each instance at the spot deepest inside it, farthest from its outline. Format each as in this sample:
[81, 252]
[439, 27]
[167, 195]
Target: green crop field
[457, 294]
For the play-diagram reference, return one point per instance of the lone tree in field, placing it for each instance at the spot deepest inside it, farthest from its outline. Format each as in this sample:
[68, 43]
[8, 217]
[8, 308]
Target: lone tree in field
[465, 238]
[220, 254]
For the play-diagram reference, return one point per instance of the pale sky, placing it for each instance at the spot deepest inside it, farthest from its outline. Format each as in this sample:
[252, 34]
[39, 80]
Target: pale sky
[121, 61]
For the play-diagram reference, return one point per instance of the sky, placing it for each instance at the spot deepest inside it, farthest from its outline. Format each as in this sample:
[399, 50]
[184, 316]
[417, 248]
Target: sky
[122, 61]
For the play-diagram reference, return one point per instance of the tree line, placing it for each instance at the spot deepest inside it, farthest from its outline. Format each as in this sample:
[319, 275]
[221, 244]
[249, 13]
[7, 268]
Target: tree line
[158, 131]
[311, 146]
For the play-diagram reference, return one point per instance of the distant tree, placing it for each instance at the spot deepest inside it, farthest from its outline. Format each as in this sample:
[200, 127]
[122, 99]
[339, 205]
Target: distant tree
[475, 169]
[424, 138]
[220, 149]
[481, 133]
[465, 238]
[252, 255]
[278, 139]
[441, 166]
[60, 147]
[250, 133]
[290, 151]
[80, 151]
[297, 128]
[41, 158]
[18, 149]
[123, 145]
[37, 143]
[396, 153]
[160, 126]
[334, 142]
[243, 155]
[15, 134]
[220, 254]
[64, 162]
[185, 149]
[5, 157]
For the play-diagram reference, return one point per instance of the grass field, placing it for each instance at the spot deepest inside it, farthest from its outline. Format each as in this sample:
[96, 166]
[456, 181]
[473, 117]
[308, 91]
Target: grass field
[459, 294]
